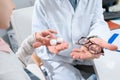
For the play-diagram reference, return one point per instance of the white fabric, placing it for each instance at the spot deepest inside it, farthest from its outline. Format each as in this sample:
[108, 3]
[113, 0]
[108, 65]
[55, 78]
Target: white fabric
[11, 68]
[59, 15]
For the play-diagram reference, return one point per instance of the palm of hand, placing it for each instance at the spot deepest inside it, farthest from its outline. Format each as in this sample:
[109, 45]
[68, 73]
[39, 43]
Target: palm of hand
[57, 48]
[84, 53]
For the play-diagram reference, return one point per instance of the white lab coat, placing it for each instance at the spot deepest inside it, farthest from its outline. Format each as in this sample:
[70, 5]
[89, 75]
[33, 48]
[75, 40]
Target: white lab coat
[86, 20]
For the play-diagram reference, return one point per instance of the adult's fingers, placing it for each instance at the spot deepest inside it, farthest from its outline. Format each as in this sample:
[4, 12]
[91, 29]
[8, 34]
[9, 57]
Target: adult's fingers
[52, 31]
[48, 32]
[62, 46]
[110, 46]
[76, 50]
[53, 49]
[51, 36]
[75, 55]
[83, 54]
[45, 40]
[104, 44]
[88, 54]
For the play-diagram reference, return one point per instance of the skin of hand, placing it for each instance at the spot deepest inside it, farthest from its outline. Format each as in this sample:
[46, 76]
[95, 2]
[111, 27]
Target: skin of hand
[57, 48]
[83, 53]
[44, 37]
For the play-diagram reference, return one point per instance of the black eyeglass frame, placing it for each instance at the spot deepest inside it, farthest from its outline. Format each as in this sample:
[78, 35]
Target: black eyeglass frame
[91, 46]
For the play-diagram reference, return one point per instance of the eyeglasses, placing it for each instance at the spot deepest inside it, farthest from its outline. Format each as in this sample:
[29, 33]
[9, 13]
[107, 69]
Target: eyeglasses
[92, 47]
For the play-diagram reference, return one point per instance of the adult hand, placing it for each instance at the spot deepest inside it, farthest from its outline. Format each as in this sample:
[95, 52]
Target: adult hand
[43, 38]
[57, 48]
[84, 53]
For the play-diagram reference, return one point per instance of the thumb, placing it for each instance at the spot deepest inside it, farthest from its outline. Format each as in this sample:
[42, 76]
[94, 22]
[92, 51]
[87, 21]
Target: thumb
[110, 46]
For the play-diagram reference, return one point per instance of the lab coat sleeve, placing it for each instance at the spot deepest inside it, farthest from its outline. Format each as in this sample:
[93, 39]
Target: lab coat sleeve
[39, 21]
[99, 27]
[26, 49]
